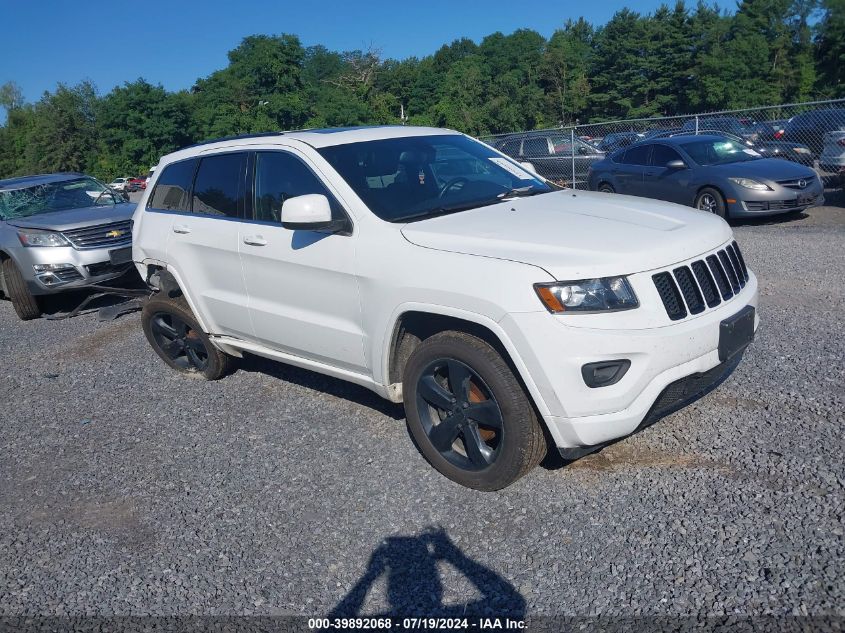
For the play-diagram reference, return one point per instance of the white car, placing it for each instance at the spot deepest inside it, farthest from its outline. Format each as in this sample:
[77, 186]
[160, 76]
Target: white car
[422, 264]
[119, 184]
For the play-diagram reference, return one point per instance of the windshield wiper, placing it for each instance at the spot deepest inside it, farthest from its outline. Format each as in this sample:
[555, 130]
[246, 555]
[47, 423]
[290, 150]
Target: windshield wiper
[445, 210]
[521, 192]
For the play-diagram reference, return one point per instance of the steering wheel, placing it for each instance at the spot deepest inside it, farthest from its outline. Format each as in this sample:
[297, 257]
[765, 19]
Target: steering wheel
[450, 185]
[102, 193]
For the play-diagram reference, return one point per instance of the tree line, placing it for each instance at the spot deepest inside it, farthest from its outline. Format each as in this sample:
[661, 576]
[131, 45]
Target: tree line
[676, 60]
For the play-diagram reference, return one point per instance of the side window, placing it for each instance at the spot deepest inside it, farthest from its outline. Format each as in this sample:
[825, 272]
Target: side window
[637, 155]
[279, 176]
[511, 148]
[219, 185]
[662, 154]
[535, 147]
[173, 187]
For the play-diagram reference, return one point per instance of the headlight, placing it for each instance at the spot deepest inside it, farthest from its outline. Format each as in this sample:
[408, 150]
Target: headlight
[608, 294]
[801, 150]
[34, 237]
[750, 184]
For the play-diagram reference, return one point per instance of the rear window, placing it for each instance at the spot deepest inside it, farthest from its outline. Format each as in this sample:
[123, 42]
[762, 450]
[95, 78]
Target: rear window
[219, 188]
[637, 155]
[173, 187]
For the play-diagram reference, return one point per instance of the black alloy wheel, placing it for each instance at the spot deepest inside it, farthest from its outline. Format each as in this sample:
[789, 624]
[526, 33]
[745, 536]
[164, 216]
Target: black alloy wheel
[179, 342]
[459, 414]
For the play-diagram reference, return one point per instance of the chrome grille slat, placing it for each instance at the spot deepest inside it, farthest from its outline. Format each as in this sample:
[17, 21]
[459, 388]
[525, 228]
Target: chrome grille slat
[97, 236]
[729, 269]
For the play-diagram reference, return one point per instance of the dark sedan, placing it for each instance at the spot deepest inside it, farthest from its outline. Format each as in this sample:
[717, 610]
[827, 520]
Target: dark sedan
[711, 173]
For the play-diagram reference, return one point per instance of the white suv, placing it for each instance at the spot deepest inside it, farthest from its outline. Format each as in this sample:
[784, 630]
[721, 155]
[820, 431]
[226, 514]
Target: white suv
[504, 312]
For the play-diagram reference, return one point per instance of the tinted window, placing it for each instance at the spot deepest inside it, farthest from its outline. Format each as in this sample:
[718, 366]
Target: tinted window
[511, 148]
[637, 155]
[172, 187]
[662, 154]
[279, 176]
[219, 186]
[535, 147]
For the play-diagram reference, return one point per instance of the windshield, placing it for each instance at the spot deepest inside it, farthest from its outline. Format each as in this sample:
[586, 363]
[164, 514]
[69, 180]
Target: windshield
[78, 193]
[418, 177]
[719, 152]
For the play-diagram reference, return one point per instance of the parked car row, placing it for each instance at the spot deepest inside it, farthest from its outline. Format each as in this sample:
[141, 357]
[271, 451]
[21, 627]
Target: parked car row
[509, 315]
[128, 184]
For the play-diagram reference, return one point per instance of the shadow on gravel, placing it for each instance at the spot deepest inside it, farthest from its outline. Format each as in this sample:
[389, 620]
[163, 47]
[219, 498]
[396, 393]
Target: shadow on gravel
[331, 386]
[410, 567]
[784, 218]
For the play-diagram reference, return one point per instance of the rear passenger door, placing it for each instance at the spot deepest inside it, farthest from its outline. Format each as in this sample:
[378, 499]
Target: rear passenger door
[204, 248]
[303, 293]
[632, 170]
[664, 183]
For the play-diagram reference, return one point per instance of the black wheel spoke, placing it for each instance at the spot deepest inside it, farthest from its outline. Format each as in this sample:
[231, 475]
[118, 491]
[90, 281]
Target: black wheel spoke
[434, 394]
[486, 413]
[173, 348]
[444, 434]
[478, 452]
[160, 326]
[459, 376]
[194, 358]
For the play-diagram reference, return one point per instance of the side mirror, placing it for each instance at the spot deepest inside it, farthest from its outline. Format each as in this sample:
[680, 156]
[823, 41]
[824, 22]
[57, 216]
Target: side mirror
[528, 167]
[310, 212]
[676, 164]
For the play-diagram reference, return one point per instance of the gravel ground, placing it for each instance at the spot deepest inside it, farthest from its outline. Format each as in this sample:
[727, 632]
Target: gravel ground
[127, 489]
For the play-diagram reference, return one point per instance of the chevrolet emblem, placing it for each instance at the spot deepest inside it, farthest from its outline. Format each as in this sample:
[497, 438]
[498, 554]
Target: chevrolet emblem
[114, 233]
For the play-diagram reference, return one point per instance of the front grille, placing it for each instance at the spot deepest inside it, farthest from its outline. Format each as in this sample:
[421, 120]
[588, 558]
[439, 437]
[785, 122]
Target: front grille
[772, 205]
[703, 284]
[67, 274]
[670, 296]
[795, 183]
[102, 268]
[101, 235]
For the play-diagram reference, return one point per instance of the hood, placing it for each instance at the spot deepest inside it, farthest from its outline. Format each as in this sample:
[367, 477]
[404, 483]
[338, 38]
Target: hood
[75, 218]
[768, 168]
[576, 234]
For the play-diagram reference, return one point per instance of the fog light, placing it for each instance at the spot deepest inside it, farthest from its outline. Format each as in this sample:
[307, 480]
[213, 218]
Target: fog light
[604, 373]
[47, 268]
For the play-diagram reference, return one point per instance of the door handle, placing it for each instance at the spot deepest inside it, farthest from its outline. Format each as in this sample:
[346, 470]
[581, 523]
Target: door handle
[255, 240]
[181, 228]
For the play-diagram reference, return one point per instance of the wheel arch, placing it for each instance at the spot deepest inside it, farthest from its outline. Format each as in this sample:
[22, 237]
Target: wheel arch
[413, 324]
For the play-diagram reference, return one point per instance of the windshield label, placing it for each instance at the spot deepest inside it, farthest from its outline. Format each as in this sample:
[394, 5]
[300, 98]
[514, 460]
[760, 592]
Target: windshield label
[505, 164]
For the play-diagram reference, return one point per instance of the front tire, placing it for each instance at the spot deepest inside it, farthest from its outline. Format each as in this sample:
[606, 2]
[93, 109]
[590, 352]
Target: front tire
[175, 335]
[468, 413]
[25, 304]
[606, 187]
[711, 201]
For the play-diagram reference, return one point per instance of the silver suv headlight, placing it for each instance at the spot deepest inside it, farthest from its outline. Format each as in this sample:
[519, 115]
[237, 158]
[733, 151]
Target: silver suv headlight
[36, 237]
[608, 294]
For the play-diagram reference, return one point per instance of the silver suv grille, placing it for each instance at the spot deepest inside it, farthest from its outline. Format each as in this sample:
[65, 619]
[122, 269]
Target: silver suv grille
[101, 235]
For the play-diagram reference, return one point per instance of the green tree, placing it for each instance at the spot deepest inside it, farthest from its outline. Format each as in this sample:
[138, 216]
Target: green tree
[830, 40]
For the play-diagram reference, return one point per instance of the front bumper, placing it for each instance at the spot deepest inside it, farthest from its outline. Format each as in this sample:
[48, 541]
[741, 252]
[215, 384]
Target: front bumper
[88, 267]
[576, 415]
[750, 203]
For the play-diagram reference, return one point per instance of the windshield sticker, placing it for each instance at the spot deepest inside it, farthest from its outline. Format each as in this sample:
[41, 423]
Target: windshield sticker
[505, 164]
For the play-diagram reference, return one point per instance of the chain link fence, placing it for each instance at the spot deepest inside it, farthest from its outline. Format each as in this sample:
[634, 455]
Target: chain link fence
[812, 134]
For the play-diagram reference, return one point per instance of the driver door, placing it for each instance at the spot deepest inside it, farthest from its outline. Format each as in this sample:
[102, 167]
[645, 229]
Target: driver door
[303, 292]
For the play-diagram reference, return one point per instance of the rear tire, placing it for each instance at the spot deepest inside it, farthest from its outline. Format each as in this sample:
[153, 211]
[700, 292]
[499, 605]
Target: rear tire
[468, 414]
[606, 187]
[25, 304]
[175, 335]
[711, 201]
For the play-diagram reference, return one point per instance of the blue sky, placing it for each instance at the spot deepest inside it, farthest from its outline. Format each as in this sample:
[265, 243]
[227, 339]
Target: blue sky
[173, 43]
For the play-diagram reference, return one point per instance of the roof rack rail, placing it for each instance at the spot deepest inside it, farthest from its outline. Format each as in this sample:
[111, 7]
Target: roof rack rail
[233, 138]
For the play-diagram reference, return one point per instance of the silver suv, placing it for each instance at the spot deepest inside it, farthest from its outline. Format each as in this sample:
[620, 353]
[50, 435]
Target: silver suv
[58, 232]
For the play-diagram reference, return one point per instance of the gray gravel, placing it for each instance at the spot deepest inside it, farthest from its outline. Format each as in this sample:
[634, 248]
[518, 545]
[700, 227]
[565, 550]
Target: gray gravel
[127, 489]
